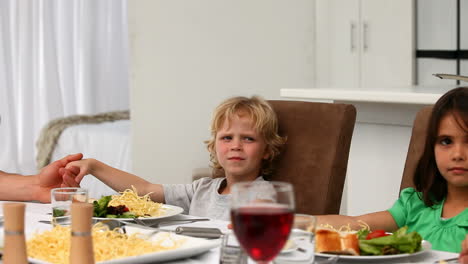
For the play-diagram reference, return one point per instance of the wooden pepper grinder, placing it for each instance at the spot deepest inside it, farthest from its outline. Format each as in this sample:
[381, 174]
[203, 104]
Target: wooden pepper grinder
[15, 245]
[81, 251]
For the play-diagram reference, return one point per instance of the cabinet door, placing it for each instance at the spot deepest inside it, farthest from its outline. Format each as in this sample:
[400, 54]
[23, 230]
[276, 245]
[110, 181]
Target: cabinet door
[387, 42]
[337, 39]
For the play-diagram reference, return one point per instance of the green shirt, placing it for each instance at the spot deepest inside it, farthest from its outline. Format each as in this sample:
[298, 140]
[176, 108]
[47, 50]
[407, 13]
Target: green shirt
[444, 234]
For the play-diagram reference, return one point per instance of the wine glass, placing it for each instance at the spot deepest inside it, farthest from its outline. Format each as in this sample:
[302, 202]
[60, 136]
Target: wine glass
[262, 215]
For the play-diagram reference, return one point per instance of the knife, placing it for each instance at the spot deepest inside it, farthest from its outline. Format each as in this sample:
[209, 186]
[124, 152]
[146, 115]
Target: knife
[447, 261]
[203, 232]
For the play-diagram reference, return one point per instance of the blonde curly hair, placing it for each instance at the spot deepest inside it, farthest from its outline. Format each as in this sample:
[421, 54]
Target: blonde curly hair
[265, 123]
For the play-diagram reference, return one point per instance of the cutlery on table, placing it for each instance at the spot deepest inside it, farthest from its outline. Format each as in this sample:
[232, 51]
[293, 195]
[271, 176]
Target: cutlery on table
[447, 261]
[168, 222]
[201, 232]
[137, 220]
[65, 221]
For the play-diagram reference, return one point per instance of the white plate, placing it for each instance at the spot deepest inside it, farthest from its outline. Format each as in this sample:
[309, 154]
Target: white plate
[171, 210]
[289, 247]
[192, 247]
[425, 246]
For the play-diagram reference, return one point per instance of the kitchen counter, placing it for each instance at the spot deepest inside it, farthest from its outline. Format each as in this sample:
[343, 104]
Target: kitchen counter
[380, 105]
[415, 95]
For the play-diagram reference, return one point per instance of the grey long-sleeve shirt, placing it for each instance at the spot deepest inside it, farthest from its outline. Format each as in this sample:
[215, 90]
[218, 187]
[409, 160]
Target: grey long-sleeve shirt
[200, 198]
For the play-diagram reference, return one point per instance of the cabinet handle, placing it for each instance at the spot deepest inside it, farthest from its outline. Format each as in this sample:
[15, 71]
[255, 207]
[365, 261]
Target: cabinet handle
[365, 28]
[351, 39]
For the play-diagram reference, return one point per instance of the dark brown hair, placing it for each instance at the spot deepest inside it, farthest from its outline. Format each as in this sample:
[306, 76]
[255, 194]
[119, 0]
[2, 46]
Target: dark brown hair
[427, 178]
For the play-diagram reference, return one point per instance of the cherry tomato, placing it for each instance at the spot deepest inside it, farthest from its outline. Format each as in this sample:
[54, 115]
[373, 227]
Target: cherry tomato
[376, 234]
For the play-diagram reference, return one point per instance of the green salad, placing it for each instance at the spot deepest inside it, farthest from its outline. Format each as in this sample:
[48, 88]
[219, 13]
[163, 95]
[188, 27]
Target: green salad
[101, 209]
[397, 243]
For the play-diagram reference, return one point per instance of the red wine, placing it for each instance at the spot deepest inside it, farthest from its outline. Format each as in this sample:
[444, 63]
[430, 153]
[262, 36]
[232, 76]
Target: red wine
[262, 230]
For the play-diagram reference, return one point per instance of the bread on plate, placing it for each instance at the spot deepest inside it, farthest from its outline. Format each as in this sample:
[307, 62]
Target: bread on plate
[336, 242]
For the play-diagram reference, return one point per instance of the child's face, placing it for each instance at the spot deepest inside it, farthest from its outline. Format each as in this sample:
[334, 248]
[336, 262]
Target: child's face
[451, 152]
[240, 149]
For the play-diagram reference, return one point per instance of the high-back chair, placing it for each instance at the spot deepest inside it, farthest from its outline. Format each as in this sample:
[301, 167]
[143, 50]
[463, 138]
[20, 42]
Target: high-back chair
[315, 156]
[416, 146]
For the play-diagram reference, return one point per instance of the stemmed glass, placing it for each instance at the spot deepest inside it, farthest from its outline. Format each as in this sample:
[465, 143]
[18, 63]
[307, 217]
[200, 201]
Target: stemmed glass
[262, 215]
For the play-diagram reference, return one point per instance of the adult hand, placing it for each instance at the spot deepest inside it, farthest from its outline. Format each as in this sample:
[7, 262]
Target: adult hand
[50, 176]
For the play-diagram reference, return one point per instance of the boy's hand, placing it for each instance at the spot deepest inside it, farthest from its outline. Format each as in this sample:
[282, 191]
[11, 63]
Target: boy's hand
[69, 175]
[50, 176]
[76, 170]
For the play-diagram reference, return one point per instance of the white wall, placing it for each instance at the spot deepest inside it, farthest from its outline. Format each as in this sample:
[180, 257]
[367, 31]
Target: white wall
[187, 56]
[377, 156]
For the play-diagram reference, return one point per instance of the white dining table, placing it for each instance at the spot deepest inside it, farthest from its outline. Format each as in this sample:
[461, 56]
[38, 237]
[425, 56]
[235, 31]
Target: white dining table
[38, 211]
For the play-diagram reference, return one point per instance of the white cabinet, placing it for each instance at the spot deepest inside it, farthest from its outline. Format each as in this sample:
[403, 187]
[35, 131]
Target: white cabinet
[364, 43]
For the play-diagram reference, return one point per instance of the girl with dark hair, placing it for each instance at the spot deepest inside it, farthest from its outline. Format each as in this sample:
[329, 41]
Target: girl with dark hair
[437, 207]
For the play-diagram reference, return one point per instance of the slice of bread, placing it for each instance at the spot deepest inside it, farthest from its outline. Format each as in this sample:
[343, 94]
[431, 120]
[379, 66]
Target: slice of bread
[333, 242]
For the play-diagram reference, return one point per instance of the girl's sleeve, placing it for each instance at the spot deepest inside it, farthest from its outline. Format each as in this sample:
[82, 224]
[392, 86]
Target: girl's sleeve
[401, 207]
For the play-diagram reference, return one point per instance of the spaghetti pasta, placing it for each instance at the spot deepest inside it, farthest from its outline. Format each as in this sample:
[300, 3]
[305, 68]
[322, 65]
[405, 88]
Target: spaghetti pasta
[140, 206]
[345, 228]
[54, 245]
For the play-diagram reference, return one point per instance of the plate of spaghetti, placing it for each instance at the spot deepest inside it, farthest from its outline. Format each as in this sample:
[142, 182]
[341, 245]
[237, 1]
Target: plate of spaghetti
[128, 205]
[115, 247]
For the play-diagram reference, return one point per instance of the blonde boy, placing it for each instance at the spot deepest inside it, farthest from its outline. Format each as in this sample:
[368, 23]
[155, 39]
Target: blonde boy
[243, 145]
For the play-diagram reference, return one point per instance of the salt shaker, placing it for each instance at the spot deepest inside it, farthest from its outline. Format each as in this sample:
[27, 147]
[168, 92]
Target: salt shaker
[81, 249]
[15, 245]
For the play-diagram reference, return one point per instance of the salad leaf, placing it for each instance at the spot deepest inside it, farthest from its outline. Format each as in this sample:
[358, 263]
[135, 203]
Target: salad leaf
[100, 206]
[124, 215]
[362, 233]
[101, 209]
[58, 212]
[111, 216]
[399, 242]
[127, 215]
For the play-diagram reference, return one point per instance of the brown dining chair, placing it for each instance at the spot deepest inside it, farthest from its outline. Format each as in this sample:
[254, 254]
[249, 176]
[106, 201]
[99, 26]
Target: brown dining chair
[416, 146]
[315, 156]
